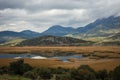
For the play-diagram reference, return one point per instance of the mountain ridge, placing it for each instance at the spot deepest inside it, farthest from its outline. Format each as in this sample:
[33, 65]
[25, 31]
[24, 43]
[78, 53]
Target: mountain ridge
[10, 35]
[101, 28]
[58, 30]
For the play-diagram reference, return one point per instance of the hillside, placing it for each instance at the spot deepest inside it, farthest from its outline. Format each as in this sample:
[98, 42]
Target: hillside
[30, 34]
[115, 36]
[101, 28]
[6, 36]
[10, 35]
[58, 30]
[54, 41]
[97, 30]
[111, 40]
[12, 42]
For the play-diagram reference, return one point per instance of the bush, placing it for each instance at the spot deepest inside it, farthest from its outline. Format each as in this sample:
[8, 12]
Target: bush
[59, 70]
[44, 73]
[63, 77]
[83, 73]
[19, 67]
[116, 73]
[102, 74]
[4, 70]
[31, 75]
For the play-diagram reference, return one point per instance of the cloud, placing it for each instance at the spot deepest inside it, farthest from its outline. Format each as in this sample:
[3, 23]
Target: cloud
[39, 15]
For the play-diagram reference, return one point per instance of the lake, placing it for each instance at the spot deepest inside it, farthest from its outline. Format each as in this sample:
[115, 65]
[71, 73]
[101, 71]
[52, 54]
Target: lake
[36, 56]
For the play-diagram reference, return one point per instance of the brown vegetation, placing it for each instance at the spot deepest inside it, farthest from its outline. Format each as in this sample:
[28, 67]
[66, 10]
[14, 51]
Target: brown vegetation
[107, 64]
[109, 56]
[77, 49]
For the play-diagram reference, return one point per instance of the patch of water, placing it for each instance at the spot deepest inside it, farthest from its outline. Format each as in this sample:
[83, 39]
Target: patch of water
[34, 56]
[65, 58]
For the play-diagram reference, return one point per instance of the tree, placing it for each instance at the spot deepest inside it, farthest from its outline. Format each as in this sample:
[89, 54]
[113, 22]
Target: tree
[116, 73]
[102, 74]
[84, 72]
[19, 67]
[4, 70]
[44, 73]
[31, 75]
[63, 77]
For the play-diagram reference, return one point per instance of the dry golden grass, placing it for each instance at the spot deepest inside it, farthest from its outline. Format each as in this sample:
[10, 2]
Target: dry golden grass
[97, 51]
[107, 64]
[77, 49]
[97, 64]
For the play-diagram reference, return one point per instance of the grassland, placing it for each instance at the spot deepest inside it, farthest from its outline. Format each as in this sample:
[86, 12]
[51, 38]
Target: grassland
[98, 57]
[95, 51]
[76, 49]
[12, 42]
[107, 64]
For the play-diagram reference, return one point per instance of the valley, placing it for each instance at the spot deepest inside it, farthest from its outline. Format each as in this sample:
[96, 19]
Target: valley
[59, 40]
[98, 57]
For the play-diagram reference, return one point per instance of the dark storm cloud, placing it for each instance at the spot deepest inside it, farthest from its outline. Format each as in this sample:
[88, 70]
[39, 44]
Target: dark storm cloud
[39, 15]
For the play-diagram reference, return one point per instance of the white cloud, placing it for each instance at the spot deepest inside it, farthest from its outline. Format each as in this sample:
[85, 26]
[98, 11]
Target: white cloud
[38, 15]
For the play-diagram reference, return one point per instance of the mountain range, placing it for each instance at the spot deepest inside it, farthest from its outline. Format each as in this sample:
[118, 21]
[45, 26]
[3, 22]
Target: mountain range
[58, 30]
[101, 28]
[10, 35]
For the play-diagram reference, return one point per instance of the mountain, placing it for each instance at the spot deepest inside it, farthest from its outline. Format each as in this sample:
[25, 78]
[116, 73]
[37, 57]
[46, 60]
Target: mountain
[58, 30]
[115, 36]
[105, 29]
[12, 42]
[113, 40]
[101, 27]
[30, 33]
[54, 41]
[11, 35]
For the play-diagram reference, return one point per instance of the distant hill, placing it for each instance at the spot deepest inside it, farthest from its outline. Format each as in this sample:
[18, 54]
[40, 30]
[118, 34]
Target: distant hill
[30, 34]
[101, 27]
[12, 42]
[109, 43]
[58, 30]
[54, 41]
[105, 29]
[11, 35]
[115, 36]
[113, 40]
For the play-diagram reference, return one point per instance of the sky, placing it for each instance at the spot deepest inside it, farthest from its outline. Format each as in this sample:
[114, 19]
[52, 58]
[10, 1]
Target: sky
[39, 15]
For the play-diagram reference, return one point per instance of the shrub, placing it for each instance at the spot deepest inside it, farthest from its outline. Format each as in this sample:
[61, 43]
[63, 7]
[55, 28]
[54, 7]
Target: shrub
[102, 74]
[31, 75]
[116, 73]
[19, 67]
[83, 73]
[4, 70]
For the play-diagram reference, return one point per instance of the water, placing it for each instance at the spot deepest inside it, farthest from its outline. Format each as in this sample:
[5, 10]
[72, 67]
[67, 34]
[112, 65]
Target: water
[35, 56]
[65, 58]
[16, 55]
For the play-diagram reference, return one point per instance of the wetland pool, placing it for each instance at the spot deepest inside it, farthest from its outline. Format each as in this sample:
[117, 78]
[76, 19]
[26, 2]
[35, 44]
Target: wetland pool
[36, 56]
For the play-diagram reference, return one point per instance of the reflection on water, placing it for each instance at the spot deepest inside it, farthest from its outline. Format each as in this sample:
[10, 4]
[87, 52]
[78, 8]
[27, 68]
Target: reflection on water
[65, 58]
[16, 55]
[36, 56]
